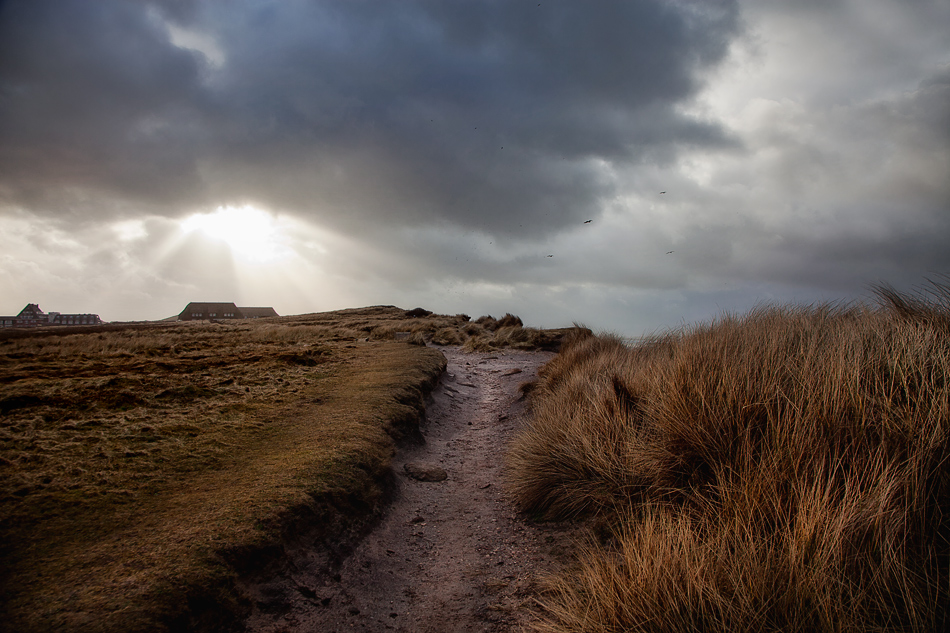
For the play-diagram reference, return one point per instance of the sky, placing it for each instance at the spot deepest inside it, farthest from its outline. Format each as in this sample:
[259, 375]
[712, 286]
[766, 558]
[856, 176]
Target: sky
[633, 166]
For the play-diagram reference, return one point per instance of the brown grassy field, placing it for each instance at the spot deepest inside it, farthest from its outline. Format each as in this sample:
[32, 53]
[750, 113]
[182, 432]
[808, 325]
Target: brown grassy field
[785, 470]
[145, 468]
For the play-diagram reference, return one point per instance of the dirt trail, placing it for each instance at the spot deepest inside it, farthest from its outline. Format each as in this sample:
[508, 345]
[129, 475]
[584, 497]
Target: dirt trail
[450, 555]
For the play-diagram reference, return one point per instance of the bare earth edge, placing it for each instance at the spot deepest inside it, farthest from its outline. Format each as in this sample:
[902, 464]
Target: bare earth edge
[445, 555]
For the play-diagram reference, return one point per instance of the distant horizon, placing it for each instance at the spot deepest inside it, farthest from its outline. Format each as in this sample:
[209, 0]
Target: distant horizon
[629, 336]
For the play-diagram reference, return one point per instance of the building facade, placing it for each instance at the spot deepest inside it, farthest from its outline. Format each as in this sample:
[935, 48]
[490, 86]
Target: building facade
[33, 316]
[203, 311]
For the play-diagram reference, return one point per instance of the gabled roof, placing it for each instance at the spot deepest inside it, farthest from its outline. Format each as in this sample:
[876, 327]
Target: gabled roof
[258, 313]
[33, 309]
[208, 308]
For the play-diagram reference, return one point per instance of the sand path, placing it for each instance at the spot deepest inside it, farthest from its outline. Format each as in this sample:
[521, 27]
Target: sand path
[449, 555]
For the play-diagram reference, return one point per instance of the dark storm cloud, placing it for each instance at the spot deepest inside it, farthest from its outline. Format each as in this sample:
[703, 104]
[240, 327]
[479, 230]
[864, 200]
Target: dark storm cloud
[408, 112]
[92, 98]
[477, 112]
[885, 197]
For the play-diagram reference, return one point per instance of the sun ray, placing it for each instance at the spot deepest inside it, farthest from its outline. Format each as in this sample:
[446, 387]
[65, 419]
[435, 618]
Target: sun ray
[251, 234]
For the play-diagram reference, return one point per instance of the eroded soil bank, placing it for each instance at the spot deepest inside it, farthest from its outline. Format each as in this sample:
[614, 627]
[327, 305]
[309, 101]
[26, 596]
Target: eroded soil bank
[449, 554]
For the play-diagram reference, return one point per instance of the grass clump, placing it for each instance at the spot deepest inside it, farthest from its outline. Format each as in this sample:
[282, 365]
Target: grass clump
[487, 334]
[782, 470]
[419, 326]
[448, 336]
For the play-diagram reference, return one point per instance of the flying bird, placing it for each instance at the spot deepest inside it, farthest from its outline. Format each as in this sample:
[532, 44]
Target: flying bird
[587, 221]
[668, 252]
[550, 255]
[662, 192]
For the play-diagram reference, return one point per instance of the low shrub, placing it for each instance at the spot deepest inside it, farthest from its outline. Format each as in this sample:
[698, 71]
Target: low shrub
[473, 329]
[487, 322]
[509, 320]
[416, 338]
[478, 344]
[447, 336]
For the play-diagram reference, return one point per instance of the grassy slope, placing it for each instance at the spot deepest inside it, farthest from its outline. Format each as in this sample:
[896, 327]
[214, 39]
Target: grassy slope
[143, 468]
[783, 470]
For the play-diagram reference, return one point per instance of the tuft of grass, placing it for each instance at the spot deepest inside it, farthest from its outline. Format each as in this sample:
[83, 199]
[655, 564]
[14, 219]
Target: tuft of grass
[478, 344]
[782, 470]
[448, 336]
[419, 326]
[480, 339]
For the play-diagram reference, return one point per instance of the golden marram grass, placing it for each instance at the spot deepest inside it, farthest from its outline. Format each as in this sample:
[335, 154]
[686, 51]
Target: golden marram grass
[783, 470]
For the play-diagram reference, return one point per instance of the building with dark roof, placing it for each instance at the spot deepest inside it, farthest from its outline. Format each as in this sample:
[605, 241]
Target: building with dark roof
[258, 313]
[33, 316]
[204, 311]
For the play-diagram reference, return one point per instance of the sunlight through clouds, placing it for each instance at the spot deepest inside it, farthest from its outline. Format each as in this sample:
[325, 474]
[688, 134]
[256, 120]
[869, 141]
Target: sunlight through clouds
[130, 230]
[251, 234]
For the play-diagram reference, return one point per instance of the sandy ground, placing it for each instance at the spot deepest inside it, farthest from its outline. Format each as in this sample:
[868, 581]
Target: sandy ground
[450, 555]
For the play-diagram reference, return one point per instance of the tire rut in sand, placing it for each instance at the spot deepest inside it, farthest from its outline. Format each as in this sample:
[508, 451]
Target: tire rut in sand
[449, 554]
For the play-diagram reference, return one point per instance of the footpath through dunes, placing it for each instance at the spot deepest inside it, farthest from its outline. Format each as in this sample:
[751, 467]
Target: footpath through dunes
[450, 553]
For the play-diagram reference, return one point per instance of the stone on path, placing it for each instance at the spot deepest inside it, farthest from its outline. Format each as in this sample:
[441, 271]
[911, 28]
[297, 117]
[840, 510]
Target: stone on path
[425, 472]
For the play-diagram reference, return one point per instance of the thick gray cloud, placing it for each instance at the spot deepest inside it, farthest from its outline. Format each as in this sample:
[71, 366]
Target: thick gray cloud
[481, 113]
[93, 101]
[474, 113]
[843, 196]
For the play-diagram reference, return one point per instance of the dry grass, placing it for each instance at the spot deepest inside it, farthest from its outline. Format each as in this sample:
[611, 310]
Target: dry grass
[783, 470]
[142, 469]
[485, 334]
[421, 326]
[477, 338]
